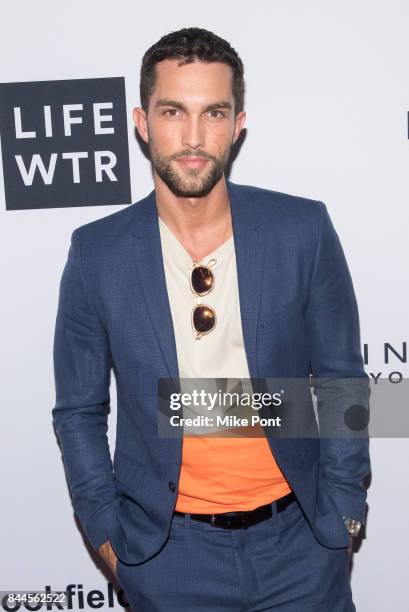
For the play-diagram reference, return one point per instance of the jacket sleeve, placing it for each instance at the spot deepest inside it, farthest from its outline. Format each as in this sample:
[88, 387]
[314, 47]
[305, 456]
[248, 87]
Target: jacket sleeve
[82, 366]
[339, 379]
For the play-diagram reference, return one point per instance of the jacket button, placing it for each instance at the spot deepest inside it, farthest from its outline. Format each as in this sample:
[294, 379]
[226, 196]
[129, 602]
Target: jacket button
[172, 486]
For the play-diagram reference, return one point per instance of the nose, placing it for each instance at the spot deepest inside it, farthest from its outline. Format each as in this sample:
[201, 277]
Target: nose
[193, 133]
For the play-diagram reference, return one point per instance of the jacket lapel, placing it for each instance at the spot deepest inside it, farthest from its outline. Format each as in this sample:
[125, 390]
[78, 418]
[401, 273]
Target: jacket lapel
[249, 248]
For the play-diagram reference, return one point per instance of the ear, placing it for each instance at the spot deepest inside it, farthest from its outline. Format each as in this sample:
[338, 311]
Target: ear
[141, 123]
[240, 120]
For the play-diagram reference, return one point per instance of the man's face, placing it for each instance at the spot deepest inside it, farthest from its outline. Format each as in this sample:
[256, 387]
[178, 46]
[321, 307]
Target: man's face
[190, 126]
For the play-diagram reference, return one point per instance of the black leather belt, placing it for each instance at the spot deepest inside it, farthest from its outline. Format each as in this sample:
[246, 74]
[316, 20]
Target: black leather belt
[242, 518]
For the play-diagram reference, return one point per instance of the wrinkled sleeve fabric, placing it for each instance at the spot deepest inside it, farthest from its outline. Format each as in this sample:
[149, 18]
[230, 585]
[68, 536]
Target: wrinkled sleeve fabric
[339, 379]
[82, 366]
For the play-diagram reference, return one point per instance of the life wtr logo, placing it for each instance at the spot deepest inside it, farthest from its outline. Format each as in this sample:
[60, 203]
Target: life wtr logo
[64, 143]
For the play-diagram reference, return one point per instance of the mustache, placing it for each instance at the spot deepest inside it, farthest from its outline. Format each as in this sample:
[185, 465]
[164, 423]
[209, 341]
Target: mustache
[189, 154]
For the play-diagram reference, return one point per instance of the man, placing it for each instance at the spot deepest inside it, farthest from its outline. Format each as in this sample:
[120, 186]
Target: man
[206, 278]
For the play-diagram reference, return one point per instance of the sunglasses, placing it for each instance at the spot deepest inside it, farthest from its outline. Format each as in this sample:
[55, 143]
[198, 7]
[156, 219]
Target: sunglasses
[202, 282]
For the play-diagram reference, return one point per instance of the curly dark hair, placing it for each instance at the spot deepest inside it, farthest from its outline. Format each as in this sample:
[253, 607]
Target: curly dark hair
[188, 45]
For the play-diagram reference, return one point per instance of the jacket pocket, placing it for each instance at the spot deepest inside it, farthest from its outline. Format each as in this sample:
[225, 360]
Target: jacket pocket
[278, 314]
[127, 472]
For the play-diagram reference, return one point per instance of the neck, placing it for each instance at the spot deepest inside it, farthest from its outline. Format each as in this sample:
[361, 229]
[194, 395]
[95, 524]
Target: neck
[200, 224]
[193, 220]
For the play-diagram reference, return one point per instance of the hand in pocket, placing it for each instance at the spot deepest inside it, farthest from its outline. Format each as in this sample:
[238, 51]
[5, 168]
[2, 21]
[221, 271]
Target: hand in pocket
[107, 553]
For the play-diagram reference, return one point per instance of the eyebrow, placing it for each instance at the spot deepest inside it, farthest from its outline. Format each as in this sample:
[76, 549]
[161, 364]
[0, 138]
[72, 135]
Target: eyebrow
[180, 106]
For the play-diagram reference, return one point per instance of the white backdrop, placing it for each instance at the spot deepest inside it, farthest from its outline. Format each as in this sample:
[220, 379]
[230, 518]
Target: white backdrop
[327, 102]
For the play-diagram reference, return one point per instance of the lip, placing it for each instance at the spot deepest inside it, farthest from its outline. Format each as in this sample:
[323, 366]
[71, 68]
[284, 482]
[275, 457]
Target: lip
[193, 162]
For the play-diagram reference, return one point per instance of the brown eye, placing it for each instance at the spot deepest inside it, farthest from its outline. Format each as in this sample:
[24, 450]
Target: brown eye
[171, 112]
[216, 114]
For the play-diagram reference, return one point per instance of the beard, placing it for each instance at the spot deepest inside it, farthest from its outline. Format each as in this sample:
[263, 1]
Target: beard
[194, 182]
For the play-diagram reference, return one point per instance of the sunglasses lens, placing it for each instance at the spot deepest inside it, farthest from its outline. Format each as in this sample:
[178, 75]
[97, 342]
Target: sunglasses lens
[202, 279]
[203, 319]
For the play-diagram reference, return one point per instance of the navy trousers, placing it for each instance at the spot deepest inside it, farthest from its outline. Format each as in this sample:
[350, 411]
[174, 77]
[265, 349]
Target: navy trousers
[277, 564]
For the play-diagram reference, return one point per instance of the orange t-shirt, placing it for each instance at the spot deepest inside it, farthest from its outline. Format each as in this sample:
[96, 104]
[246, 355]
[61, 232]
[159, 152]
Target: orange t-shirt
[225, 474]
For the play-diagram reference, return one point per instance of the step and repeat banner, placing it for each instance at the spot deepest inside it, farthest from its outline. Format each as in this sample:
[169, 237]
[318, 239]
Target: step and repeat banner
[327, 101]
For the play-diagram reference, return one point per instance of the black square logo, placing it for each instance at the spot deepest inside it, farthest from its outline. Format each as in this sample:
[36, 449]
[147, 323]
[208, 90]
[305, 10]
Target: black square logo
[64, 143]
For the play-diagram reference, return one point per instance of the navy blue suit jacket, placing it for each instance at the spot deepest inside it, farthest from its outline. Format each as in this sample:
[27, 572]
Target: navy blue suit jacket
[299, 316]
